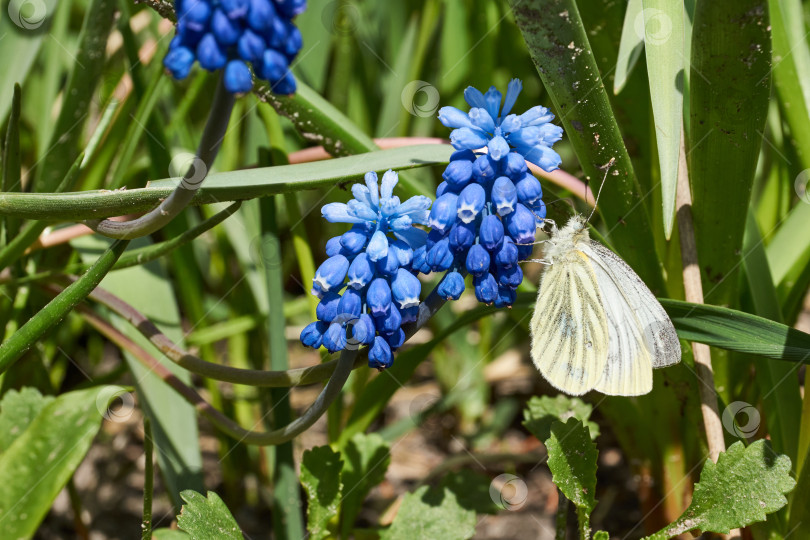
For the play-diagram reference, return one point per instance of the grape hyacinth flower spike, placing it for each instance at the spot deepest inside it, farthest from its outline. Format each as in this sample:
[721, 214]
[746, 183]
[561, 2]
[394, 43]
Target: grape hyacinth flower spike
[230, 34]
[489, 205]
[368, 285]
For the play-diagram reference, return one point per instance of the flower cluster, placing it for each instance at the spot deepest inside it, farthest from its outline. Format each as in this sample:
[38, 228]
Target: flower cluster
[230, 33]
[489, 205]
[373, 261]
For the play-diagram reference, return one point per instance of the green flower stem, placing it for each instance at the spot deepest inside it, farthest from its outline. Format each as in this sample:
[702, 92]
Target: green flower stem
[175, 203]
[59, 307]
[14, 250]
[561, 523]
[221, 187]
[219, 420]
[137, 256]
[148, 479]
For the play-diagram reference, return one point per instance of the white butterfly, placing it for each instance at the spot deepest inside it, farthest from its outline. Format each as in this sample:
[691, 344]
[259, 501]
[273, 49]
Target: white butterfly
[596, 325]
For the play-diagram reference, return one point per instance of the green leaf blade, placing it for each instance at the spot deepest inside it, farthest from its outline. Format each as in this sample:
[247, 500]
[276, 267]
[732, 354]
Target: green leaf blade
[320, 476]
[572, 460]
[367, 457]
[207, 518]
[39, 462]
[664, 47]
[743, 487]
[541, 412]
[431, 513]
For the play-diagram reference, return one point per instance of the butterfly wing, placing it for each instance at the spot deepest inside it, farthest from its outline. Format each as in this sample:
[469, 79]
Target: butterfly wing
[569, 328]
[659, 334]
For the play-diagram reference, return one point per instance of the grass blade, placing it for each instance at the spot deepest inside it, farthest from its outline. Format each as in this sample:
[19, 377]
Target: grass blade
[729, 103]
[664, 45]
[559, 47]
[630, 46]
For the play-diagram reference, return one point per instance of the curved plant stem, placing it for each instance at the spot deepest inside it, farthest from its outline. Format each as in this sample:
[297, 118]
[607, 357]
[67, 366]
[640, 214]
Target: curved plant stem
[219, 420]
[194, 364]
[180, 198]
[59, 307]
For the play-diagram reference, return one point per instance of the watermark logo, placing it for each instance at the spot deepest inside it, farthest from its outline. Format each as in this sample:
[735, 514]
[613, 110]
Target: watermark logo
[800, 186]
[27, 14]
[115, 403]
[733, 417]
[508, 492]
[190, 167]
[265, 252]
[420, 98]
[340, 18]
[653, 26]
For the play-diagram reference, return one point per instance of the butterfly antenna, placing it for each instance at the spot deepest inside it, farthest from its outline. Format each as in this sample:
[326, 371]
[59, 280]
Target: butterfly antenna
[606, 168]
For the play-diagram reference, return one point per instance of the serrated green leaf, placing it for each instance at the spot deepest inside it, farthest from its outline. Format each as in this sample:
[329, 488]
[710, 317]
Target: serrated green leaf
[320, 476]
[572, 461]
[541, 412]
[38, 464]
[17, 410]
[431, 513]
[366, 459]
[207, 518]
[743, 487]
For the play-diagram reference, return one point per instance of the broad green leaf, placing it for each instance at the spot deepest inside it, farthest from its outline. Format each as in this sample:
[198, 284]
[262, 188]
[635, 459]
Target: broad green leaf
[17, 410]
[207, 518]
[174, 420]
[219, 187]
[630, 46]
[366, 459]
[572, 461]
[431, 513]
[39, 462]
[663, 27]
[23, 30]
[541, 412]
[743, 487]
[737, 331]
[729, 102]
[320, 476]
[559, 47]
[601, 535]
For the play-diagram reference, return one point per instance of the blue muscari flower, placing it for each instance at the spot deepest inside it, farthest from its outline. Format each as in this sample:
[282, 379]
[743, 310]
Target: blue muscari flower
[451, 286]
[368, 285]
[489, 205]
[232, 33]
[487, 124]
